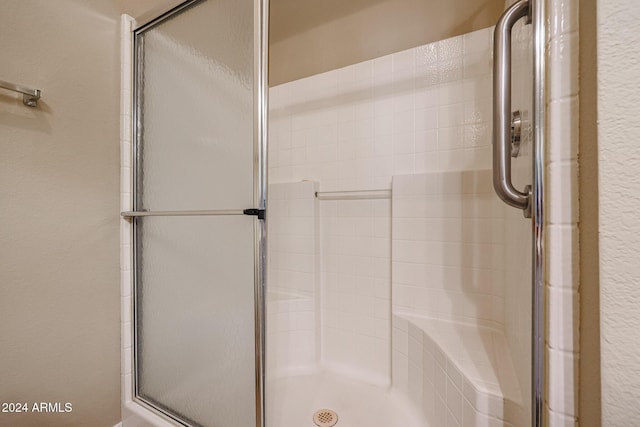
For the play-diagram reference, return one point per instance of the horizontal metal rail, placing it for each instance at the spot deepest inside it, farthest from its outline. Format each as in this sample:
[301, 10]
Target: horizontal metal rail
[134, 214]
[353, 195]
[29, 96]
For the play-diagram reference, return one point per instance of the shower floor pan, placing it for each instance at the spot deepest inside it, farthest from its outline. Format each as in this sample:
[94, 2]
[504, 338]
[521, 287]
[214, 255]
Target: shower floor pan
[292, 402]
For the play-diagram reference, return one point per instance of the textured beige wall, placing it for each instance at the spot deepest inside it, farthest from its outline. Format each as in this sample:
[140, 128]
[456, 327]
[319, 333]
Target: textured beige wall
[590, 409]
[59, 183]
[618, 43]
[144, 10]
[309, 37]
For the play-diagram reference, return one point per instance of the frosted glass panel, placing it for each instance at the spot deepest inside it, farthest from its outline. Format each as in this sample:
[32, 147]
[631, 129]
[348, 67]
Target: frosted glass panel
[195, 293]
[195, 328]
[196, 95]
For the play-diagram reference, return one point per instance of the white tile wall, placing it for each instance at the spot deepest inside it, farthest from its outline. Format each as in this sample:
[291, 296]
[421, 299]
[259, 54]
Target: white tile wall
[447, 245]
[292, 238]
[415, 111]
[292, 329]
[291, 335]
[356, 287]
[126, 204]
[562, 245]
[562, 214]
[420, 110]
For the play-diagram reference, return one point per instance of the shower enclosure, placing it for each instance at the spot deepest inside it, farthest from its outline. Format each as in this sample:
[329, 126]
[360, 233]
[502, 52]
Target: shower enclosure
[197, 217]
[382, 282]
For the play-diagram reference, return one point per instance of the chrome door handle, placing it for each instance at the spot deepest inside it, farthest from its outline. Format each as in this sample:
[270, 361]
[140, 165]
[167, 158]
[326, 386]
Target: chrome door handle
[502, 109]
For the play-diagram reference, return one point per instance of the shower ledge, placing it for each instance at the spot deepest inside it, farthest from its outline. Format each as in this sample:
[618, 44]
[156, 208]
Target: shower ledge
[475, 361]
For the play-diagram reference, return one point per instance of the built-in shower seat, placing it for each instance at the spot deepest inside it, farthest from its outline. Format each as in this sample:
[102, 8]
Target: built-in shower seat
[462, 369]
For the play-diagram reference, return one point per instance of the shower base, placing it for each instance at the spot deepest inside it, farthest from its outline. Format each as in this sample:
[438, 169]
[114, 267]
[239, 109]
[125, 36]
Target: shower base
[292, 401]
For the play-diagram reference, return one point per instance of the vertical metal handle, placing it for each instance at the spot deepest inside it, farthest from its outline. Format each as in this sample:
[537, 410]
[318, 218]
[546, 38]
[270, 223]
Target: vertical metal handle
[502, 109]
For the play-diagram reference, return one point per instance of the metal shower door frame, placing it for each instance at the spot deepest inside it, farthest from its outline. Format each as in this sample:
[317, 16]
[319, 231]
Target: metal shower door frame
[260, 112]
[531, 199]
[538, 17]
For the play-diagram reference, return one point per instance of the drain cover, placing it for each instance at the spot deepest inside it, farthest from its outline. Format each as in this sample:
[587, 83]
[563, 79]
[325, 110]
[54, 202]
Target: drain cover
[325, 418]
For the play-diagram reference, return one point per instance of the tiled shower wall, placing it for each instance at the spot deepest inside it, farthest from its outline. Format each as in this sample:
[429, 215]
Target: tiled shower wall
[126, 120]
[292, 331]
[562, 279]
[448, 241]
[420, 110]
[562, 253]
[292, 240]
[356, 297]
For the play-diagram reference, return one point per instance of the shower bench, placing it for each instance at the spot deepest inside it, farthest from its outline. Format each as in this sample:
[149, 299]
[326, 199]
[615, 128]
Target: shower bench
[457, 370]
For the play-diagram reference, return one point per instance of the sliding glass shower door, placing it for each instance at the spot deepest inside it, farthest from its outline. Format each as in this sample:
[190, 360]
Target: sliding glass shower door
[198, 213]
